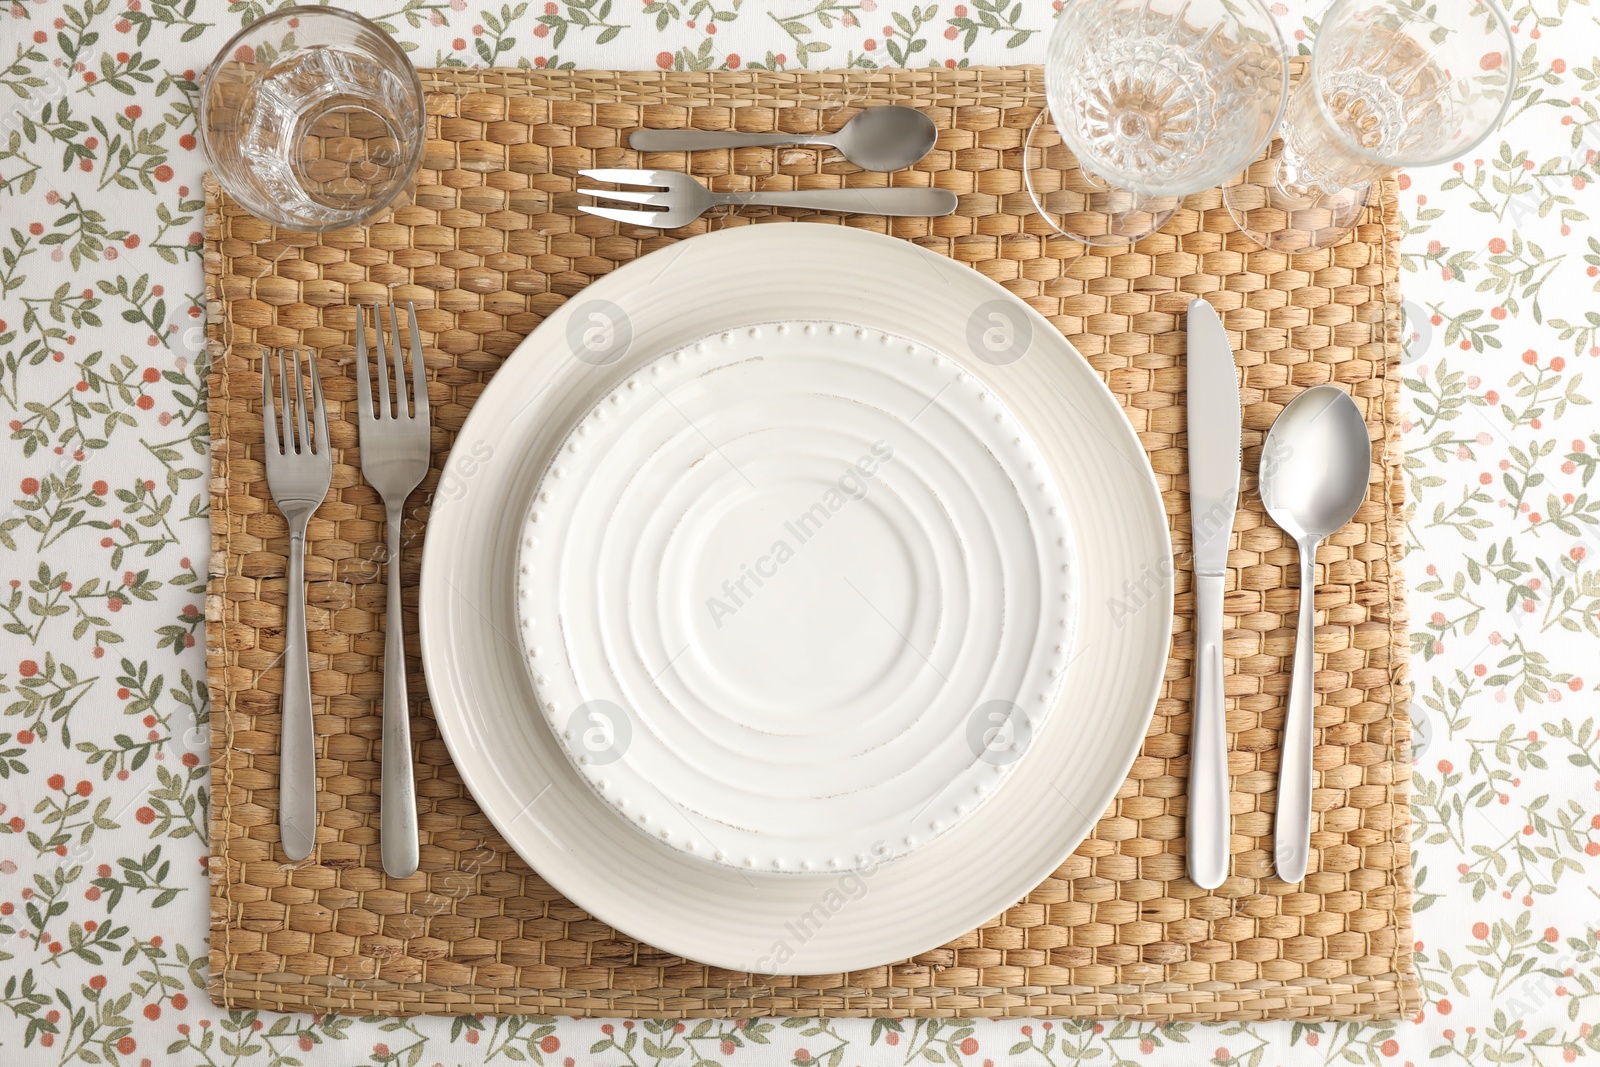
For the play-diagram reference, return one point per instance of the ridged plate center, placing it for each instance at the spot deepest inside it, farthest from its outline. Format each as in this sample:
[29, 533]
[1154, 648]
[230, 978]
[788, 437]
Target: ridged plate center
[794, 598]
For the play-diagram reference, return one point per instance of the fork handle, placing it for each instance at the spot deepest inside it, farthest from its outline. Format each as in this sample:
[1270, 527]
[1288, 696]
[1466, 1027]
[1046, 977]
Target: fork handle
[902, 201]
[399, 788]
[297, 762]
[700, 140]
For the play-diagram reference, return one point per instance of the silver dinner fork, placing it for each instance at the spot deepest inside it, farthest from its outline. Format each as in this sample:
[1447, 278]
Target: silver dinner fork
[299, 471]
[394, 458]
[683, 199]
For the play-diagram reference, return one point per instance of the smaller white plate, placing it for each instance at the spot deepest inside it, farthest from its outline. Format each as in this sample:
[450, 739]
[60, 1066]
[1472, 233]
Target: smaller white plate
[794, 597]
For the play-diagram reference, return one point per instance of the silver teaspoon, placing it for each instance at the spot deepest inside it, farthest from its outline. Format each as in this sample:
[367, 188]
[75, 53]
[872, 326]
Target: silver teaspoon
[1315, 467]
[879, 138]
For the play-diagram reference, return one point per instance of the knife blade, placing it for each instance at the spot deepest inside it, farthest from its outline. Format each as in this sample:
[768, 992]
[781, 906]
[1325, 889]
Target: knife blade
[1215, 428]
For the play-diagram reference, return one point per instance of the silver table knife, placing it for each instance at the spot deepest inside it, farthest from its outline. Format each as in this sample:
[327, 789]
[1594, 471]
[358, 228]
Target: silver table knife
[1215, 422]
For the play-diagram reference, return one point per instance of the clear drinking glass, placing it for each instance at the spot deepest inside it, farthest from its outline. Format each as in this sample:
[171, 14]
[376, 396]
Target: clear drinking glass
[1150, 100]
[313, 119]
[1392, 84]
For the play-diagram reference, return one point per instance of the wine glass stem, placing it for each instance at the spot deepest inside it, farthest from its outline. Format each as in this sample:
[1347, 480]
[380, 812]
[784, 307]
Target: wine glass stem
[1289, 176]
[1292, 181]
[1316, 160]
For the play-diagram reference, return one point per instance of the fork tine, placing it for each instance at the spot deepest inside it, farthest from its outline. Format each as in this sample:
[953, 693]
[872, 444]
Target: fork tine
[363, 379]
[284, 413]
[628, 196]
[269, 414]
[381, 378]
[636, 218]
[299, 404]
[627, 177]
[419, 377]
[319, 408]
[402, 408]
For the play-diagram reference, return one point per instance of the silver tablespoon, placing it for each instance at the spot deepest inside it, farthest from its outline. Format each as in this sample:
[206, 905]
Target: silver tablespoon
[1315, 467]
[879, 138]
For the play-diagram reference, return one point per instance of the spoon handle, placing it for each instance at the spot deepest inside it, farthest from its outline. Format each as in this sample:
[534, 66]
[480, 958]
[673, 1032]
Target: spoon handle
[1292, 830]
[701, 140]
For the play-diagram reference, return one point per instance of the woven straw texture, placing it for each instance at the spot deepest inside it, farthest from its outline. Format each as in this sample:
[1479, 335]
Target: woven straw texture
[491, 245]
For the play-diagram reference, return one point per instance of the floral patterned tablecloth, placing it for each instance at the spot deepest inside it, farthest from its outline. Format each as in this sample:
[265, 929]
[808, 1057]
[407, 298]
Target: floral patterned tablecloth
[103, 783]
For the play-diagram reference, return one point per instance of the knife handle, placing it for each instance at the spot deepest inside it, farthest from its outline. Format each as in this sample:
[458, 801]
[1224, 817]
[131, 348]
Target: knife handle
[1210, 819]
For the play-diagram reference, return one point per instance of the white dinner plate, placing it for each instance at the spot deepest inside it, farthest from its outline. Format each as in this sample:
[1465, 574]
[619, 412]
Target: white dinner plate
[794, 596]
[825, 922]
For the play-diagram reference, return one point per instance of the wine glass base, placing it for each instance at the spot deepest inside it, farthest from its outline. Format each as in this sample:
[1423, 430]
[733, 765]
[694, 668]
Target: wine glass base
[1078, 204]
[1291, 221]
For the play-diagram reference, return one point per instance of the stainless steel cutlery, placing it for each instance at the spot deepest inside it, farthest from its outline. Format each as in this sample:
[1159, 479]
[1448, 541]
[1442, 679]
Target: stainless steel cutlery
[676, 199]
[1215, 429]
[878, 138]
[299, 466]
[394, 459]
[1314, 471]
[884, 138]
[395, 449]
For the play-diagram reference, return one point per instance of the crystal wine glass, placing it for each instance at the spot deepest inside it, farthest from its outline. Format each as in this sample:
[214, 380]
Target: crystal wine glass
[313, 119]
[1392, 84]
[1150, 100]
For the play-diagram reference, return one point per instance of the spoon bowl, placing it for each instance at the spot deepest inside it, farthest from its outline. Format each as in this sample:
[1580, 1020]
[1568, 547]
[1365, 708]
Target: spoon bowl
[885, 138]
[1315, 469]
[1315, 463]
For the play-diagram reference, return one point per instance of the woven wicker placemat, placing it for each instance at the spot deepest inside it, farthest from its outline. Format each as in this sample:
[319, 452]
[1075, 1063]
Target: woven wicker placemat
[491, 245]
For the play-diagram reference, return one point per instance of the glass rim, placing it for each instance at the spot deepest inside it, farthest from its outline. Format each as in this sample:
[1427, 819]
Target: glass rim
[414, 156]
[1338, 8]
[1271, 129]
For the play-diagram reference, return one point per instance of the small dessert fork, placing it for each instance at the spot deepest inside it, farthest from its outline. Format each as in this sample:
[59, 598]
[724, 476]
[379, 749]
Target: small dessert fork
[681, 199]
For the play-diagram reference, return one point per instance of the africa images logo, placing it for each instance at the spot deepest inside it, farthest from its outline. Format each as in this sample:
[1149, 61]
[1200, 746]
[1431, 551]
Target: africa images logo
[849, 886]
